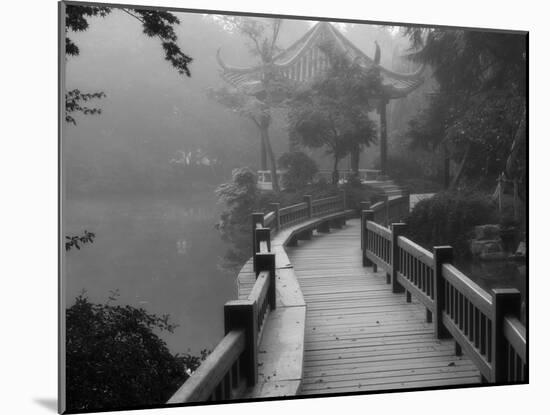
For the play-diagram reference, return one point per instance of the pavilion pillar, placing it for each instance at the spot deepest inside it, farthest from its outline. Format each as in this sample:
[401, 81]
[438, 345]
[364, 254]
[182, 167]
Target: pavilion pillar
[383, 136]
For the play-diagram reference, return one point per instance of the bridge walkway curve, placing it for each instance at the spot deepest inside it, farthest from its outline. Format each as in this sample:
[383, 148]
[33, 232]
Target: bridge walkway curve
[359, 336]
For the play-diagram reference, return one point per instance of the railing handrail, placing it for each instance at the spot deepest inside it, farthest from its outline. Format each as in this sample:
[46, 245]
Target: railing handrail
[514, 332]
[391, 208]
[484, 324]
[379, 229]
[324, 199]
[481, 298]
[292, 208]
[416, 250]
[211, 372]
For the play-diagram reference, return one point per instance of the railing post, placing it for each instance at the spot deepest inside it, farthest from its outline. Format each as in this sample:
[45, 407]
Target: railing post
[387, 210]
[276, 207]
[397, 229]
[266, 262]
[366, 215]
[343, 195]
[506, 301]
[243, 314]
[308, 200]
[442, 254]
[362, 207]
[257, 217]
[261, 234]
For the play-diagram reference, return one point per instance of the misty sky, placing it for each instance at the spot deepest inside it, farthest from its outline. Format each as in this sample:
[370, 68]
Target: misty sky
[151, 111]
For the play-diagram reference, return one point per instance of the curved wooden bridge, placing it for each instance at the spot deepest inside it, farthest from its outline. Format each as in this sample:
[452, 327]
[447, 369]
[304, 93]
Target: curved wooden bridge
[332, 303]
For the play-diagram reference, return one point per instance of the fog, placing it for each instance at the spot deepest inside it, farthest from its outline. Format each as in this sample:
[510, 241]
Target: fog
[155, 237]
[151, 112]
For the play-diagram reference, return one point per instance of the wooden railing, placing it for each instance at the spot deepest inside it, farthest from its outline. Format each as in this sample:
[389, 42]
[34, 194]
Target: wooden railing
[484, 325]
[364, 174]
[281, 218]
[391, 209]
[233, 364]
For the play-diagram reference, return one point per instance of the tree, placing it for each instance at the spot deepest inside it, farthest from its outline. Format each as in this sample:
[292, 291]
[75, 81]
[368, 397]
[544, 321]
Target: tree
[262, 42]
[115, 359]
[240, 197]
[333, 112]
[300, 169]
[478, 112]
[158, 24]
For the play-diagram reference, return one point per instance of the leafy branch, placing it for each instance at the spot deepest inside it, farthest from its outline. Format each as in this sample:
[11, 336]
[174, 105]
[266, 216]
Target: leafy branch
[158, 24]
[75, 240]
[74, 100]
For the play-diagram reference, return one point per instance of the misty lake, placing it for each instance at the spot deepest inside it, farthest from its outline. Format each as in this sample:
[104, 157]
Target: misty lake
[161, 254]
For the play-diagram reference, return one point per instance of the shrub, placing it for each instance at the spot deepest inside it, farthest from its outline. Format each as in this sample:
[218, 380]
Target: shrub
[300, 169]
[357, 193]
[240, 197]
[418, 173]
[116, 360]
[448, 218]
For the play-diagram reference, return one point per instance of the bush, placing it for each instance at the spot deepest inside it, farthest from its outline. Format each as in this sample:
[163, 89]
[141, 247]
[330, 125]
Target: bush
[357, 193]
[300, 170]
[417, 173]
[115, 360]
[240, 197]
[448, 219]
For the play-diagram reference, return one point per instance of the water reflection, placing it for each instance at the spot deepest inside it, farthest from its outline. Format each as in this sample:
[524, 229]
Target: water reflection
[163, 255]
[181, 247]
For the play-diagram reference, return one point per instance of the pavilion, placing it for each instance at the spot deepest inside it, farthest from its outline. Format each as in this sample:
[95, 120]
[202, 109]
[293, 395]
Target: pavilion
[304, 61]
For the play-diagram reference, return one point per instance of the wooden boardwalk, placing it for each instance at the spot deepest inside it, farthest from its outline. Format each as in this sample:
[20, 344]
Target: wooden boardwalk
[359, 336]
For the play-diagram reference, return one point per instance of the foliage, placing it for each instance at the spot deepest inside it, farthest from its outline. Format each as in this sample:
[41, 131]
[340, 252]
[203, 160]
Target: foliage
[356, 192]
[261, 44]
[244, 105]
[240, 197]
[300, 169]
[414, 172]
[256, 103]
[74, 102]
[75, 240]
[478, 111]
[448, 218]
[333, 112]
[115, 359]
[155, 23]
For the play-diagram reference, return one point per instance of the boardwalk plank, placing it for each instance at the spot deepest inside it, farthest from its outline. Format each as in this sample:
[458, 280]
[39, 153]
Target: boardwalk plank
[359, 335]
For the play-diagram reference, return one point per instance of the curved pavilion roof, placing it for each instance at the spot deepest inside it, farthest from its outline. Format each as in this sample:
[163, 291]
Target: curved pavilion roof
[303, 61]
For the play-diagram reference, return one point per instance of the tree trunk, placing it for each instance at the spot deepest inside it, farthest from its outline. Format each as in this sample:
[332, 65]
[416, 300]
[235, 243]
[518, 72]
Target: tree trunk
[446, 167]
[269, 151]
[354, 159]
[461, 167]
[519, 139]
[335, 175]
